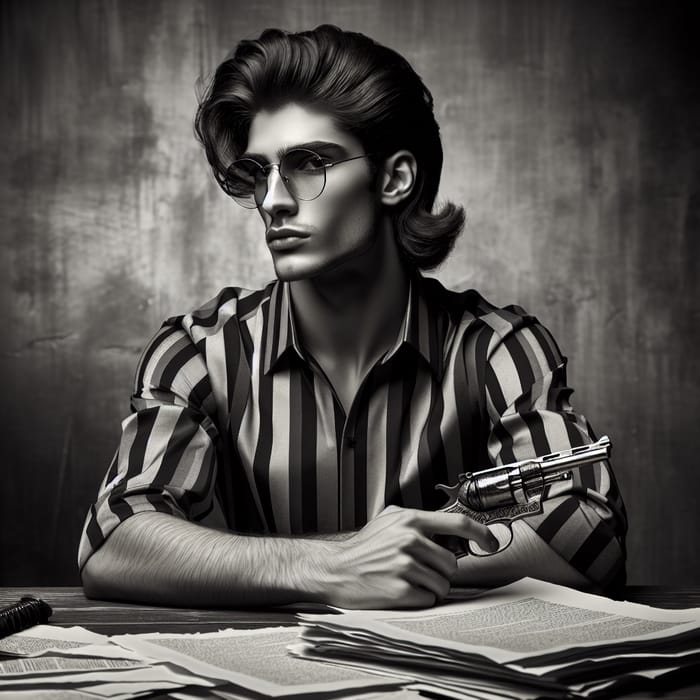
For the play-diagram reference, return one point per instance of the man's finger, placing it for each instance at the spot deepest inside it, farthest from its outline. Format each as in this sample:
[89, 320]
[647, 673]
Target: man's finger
[435, 557]
[429, 579]
[438, 523]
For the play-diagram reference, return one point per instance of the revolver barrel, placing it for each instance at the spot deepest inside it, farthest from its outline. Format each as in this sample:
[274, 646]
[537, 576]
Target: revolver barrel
[517, 482]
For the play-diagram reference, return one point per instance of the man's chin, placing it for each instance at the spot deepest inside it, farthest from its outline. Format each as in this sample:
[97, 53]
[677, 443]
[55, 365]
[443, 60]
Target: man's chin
[286, 272]
[350, 266]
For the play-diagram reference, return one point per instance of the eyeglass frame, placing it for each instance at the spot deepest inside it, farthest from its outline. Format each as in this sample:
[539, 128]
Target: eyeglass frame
[268, 167]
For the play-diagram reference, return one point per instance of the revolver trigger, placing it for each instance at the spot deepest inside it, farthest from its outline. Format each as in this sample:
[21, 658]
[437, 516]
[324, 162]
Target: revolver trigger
[452, 493]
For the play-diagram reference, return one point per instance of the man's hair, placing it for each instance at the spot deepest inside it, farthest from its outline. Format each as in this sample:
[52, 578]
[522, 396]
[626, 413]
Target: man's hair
[369, 90]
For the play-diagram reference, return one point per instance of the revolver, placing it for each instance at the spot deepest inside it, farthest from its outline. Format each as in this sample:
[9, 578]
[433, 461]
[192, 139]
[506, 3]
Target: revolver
[499, 495]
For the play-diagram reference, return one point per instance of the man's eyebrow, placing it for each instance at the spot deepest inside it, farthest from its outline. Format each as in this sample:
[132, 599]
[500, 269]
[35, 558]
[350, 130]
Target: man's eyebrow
[310, 145]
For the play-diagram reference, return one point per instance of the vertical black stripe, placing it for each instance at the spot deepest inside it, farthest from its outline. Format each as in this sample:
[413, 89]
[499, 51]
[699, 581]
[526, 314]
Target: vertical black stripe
[309, 437]
[477, 383]
[272, 349]
[180, 438]
[201, 396]
[233, 487]
[436, 446]
[402, 382]
[231, 341]
[521, 361]
[246, 341]
[586, 472]
[263, 448]
[145, 420]
[434, 340]
[495, 392]
[535, 424]
[432, 468]
[339, 422]
[361, 423]
[506, 452]
[93, 531]
[469, 403]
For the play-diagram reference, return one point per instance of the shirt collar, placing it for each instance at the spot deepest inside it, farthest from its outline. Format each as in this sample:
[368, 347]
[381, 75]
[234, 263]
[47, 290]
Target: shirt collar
[423, 327]
[280, 332]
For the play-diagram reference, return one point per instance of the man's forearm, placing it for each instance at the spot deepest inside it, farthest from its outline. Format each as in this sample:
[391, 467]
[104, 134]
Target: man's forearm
[527, 555]
[155, 557]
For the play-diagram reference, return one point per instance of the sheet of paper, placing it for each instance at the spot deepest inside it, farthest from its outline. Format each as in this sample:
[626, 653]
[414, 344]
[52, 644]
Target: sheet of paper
[458, 684]
[254, 659]
[525, 619]
[86, 679]
[53, 665]
[56, 694]
[225, 694]
[41, 638]
[127, 690]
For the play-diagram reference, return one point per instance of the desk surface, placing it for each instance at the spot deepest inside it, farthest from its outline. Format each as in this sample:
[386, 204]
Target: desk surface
[71, 607]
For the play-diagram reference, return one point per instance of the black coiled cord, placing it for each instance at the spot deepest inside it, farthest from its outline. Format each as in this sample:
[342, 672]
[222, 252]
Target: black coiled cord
[20, 616]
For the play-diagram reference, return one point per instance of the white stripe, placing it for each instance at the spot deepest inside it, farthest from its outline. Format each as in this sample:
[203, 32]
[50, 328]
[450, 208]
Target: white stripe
[163, 347]
[418, 417]
[216, 364]
[376, 451]
[279, 453]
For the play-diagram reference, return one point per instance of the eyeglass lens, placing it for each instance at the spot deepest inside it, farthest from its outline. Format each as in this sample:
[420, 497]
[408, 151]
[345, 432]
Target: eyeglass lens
[301, 170]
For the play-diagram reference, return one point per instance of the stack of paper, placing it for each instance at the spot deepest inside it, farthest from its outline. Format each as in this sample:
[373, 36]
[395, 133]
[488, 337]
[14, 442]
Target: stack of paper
[530, 639]
[40, 660]
[226, 664]
[254, 663]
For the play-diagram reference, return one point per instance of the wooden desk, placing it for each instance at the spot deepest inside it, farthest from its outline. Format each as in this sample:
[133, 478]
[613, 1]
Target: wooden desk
[71, 607]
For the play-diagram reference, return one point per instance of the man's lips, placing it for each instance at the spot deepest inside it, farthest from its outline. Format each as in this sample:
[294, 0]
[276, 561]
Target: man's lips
[275, 234]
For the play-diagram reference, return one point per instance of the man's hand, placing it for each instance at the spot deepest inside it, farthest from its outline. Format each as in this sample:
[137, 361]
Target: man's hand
[393, 562]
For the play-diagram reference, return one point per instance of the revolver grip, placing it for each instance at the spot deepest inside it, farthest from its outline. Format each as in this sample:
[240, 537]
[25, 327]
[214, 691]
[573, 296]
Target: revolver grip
[499, 518]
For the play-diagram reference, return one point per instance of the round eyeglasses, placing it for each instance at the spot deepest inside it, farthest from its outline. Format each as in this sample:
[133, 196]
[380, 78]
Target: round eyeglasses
[302, 171]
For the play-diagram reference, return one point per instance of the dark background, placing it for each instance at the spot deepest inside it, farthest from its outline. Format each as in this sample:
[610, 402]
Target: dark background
[571, 137]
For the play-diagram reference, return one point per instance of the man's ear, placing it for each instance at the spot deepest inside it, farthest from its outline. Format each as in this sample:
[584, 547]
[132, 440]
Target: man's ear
[398, 177]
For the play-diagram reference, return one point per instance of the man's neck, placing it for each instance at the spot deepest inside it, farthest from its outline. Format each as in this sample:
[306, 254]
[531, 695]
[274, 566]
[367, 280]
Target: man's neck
[351, 315]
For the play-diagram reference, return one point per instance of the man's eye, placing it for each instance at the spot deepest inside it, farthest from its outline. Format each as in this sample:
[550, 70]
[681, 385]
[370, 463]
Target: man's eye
[304, 161]
[311, 164]
[246, 169]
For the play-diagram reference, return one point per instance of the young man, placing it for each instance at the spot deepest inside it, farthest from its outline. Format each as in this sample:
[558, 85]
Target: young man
[285, 443]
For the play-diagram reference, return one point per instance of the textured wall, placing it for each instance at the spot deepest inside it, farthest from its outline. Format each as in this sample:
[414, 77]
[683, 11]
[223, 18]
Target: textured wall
[571, 136]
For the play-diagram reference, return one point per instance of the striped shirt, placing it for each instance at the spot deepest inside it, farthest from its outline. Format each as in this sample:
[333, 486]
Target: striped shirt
[234, 425]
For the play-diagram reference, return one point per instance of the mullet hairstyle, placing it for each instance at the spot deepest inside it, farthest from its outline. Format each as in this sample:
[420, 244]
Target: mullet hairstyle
[369, 90]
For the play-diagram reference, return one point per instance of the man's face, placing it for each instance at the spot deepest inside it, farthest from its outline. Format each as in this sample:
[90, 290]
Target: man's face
[321, 233]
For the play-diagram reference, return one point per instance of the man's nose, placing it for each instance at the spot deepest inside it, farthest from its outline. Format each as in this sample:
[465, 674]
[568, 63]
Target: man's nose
[278, 197]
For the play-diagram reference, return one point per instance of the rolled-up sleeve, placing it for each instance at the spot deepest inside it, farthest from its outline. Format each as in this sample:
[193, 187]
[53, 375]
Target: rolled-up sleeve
[167, 455]
[527, 400]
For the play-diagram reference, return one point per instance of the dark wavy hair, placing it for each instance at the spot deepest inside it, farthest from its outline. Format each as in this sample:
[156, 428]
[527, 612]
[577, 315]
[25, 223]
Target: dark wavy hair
[369, 90]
